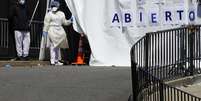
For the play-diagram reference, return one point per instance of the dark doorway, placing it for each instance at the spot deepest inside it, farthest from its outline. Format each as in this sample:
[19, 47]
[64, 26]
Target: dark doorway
[73, 38]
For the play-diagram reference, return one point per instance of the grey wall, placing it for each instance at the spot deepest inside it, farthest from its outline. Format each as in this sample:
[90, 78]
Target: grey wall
[4, 5]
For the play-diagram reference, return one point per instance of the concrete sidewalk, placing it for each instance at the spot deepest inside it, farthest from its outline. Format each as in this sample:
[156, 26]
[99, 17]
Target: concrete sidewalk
[189, 84]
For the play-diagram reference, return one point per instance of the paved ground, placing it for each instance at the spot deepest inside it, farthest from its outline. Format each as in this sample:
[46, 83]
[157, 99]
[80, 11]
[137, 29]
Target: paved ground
[193, 89]
[192, 85]
[69, 83]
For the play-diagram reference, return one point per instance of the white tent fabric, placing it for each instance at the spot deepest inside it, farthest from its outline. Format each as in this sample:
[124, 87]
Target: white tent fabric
[110, 43]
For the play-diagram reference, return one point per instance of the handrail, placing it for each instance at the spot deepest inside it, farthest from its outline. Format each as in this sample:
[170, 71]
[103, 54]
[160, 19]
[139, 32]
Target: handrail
[3, 19]
[34, 21]
[163, 56]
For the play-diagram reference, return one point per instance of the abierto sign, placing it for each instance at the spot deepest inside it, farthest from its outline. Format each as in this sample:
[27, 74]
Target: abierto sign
[156, 17]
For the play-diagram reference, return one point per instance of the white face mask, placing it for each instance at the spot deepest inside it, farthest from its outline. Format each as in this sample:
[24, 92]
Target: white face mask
[22, 2]
[54, 9]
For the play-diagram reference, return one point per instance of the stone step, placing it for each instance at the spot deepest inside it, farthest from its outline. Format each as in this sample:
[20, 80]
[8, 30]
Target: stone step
[24, 63]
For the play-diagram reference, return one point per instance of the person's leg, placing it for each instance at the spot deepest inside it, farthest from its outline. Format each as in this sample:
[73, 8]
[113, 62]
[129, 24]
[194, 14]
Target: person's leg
[57, 52]
[18, 41]
[26, 44]
[52, 55]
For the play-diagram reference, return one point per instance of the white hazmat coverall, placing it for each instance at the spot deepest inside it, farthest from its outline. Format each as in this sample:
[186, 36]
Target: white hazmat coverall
[56, 34]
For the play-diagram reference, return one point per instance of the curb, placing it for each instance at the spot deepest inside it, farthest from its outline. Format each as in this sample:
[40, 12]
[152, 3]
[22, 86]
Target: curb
[23, 63]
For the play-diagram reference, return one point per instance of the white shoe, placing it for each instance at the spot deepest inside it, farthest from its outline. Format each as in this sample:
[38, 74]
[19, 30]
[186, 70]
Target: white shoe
[52, 63]
[59, 64]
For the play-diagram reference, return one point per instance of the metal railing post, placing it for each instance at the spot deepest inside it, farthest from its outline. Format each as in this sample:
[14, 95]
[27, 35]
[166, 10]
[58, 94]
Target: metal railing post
[161, 91]
[146, 50]
[191, 48]
[134, 75]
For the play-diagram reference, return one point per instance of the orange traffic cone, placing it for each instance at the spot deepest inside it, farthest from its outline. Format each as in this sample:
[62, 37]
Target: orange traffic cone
[80, 55]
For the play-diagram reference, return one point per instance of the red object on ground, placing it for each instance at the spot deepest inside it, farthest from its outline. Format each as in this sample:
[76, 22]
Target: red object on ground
[80, 55]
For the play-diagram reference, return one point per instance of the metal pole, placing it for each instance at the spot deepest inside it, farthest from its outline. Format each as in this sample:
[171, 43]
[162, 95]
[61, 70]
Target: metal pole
[146, 47]
[134, 76]
[134, 82]
[161, 91]
[34, 12]
[191, 47]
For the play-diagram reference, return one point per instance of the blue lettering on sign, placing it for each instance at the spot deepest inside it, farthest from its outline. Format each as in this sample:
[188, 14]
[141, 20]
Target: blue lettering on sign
[192, 15]
[168, 15]
[140, 16]
[153, 18]
[127, 17]
[115, 18]
[180, 14]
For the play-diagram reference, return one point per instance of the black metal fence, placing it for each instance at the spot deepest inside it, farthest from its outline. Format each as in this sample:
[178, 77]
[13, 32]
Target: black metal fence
[154, 89]
[4, 33]
[6, 41]
[36, 34]
[162, 56]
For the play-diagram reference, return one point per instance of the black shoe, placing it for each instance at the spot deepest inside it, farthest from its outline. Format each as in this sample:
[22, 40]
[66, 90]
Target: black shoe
[19, 58]
[25, 58]
[13, 59]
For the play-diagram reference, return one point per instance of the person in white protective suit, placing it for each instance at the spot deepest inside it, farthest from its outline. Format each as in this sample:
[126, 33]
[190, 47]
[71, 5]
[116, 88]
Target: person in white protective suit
[55, 32]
